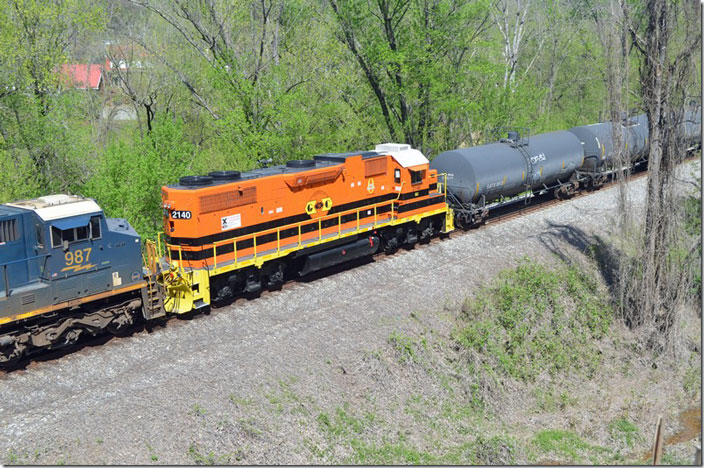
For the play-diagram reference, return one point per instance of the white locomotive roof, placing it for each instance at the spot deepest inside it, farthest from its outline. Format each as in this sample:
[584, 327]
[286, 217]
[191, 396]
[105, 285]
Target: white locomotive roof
[403, 154]
[58, 206]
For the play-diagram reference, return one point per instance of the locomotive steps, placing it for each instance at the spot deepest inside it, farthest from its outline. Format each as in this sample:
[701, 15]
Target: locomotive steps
[357, 366]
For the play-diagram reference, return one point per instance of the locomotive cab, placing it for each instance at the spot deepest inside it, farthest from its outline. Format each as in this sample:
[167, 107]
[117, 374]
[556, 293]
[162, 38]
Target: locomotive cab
[60, 250]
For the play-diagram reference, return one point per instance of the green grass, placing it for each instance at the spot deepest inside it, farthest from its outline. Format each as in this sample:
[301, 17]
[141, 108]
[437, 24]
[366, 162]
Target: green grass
[563, 443]
[624, 432]
[692, 381]
[198, 410]
[534, 319]
[343, 422]
[209, 458]
[406, 347]
[548, 400]
[483, 451]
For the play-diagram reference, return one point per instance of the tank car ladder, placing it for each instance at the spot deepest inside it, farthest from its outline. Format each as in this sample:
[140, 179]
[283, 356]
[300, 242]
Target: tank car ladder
[520, 147]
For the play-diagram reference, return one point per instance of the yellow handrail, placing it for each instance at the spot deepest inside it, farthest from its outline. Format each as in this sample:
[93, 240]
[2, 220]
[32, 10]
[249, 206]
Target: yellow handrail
[180, 259]
[298, 225]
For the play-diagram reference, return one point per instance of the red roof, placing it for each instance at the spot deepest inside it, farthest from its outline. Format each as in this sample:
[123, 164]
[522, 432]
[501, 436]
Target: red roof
[83, 76]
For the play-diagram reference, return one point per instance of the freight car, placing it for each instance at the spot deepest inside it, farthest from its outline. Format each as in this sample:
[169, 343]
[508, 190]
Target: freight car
[481, 178]
[230, 234]
[67, 271]
[479, 175]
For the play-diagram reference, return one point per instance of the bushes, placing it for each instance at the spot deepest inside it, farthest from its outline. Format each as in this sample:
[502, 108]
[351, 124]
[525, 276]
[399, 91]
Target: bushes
[127, 179]
[534, 319]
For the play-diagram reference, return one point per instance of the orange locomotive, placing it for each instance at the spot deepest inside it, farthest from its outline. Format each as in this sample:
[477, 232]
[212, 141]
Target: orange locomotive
[232, 233]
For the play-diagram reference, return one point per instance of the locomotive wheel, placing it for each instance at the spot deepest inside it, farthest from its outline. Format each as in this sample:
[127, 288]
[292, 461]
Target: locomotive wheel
[120, 324]
[10, 356]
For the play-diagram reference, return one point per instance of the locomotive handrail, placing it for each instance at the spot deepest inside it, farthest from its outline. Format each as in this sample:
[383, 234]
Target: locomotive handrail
[6, 280]
[278, 230]
[299, 226]
[24, 259]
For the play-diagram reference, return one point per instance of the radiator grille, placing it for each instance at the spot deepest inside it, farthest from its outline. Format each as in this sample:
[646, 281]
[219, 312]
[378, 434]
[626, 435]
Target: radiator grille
[8, 230]
[27, 299]
[225, 200]
[375, 167]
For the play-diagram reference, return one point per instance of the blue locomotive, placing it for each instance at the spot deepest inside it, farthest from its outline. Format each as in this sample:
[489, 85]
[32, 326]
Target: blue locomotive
[67, 271]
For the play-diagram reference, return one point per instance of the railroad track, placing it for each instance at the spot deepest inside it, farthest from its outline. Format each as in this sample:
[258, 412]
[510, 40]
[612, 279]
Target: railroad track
[500, 215]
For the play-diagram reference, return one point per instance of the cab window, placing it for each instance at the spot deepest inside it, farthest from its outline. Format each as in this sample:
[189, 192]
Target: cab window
[58, 236]
[397, 176]
[417, 176]
[95, 227]
[80, 233]
[39, 231]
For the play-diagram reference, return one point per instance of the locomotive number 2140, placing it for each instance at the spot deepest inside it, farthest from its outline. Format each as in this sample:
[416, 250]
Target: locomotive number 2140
[178, 214]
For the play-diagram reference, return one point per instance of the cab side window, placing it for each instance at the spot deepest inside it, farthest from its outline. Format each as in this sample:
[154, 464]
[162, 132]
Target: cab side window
[39, 231]
[95, 227]
[417, 177]
[58, 236]
[397, 176]
[55, 236]
[80, 233]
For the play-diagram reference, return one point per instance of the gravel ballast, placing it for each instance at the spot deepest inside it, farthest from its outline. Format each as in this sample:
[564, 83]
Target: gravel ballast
[146, 398]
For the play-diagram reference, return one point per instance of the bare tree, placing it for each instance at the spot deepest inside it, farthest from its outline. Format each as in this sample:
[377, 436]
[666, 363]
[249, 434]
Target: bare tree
[655, 284]
[239, 51]
[510, 19]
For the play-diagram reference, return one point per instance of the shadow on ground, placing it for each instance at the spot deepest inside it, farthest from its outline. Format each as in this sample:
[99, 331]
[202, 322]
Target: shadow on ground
[564, 240]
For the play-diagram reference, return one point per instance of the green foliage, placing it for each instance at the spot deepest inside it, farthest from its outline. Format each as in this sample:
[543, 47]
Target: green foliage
[46, 134]
[126, 181]
[624, 432]
[405, 346]
[535, 319]
[567, 444]
[692, 381]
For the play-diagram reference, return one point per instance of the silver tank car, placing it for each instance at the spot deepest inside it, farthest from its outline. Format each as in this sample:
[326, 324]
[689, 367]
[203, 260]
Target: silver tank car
[598, 141]
[508, 168]
[692, 126]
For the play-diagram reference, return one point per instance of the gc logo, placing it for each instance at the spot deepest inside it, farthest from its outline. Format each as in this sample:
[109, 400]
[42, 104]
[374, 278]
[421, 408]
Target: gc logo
[314, 206]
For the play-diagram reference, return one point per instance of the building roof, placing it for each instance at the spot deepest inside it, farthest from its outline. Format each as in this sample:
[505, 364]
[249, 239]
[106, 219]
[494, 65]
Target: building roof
[83, 76]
